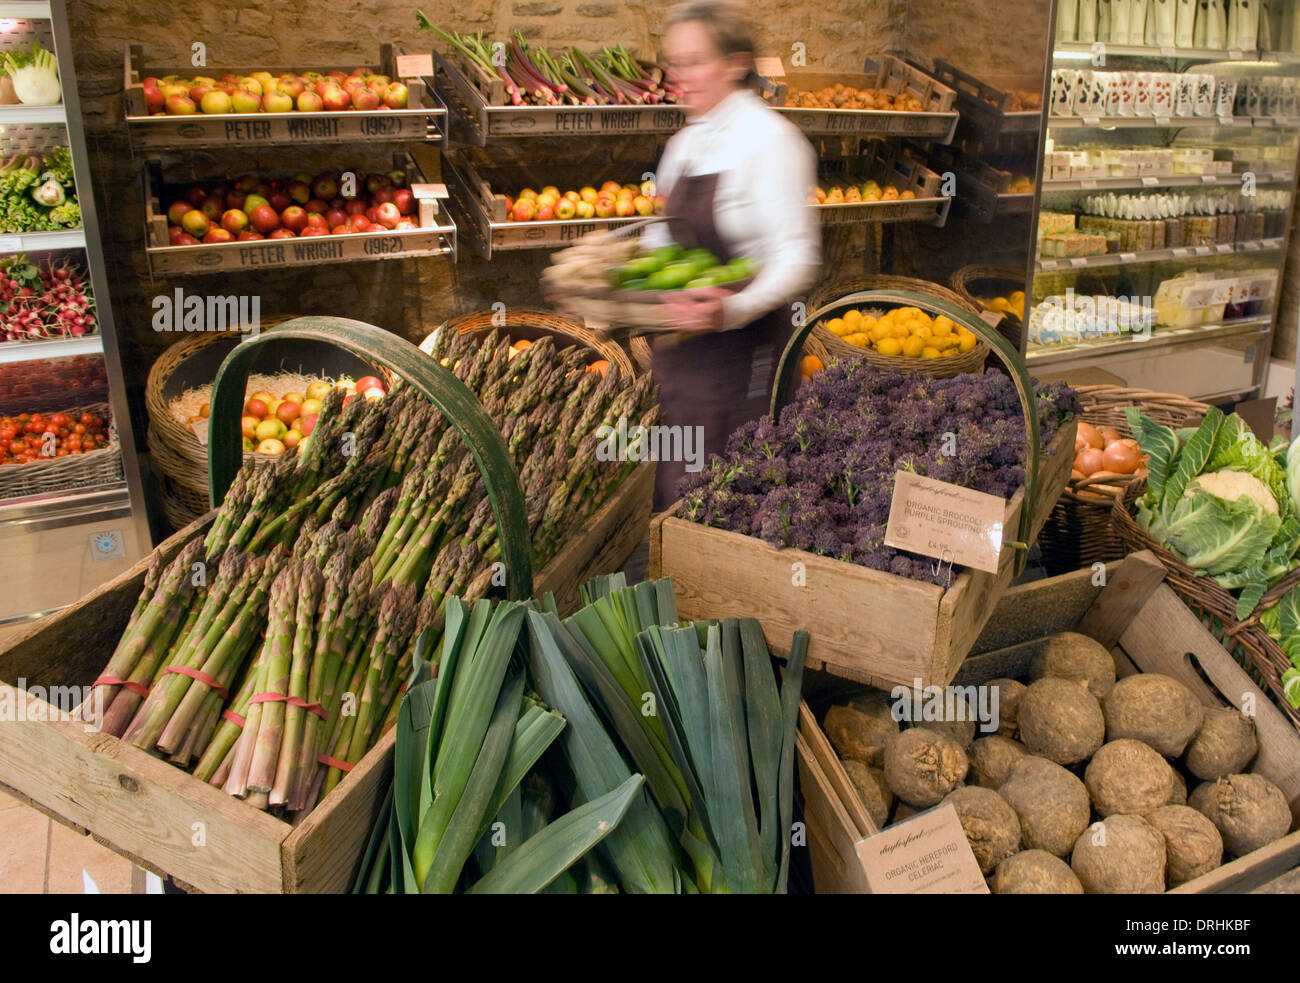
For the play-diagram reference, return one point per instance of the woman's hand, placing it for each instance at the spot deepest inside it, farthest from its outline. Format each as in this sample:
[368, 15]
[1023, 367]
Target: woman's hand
[699, 309]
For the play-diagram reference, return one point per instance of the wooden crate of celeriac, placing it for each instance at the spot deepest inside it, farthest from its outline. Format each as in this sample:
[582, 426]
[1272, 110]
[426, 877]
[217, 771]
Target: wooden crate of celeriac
[1148, 629]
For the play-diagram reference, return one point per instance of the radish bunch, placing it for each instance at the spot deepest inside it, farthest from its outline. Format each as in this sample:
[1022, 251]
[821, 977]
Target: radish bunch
[50, 300]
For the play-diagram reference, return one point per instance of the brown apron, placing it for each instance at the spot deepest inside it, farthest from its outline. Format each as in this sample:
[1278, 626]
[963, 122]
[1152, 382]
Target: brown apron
[713, 381]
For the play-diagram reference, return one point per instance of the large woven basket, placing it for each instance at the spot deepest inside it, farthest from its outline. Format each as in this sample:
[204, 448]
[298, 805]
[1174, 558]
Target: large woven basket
[95, 469]
[832, 299]
[1247, 640]
[174, 449]
[523, 323]
[973, 282]
[1080, 531]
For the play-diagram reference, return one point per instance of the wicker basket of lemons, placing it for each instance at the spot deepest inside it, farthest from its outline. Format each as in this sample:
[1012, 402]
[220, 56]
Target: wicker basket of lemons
[908, 338]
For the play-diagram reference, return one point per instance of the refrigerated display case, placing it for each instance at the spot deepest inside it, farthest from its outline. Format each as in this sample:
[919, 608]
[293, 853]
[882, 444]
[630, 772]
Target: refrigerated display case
[1167, 178]
[72, 517]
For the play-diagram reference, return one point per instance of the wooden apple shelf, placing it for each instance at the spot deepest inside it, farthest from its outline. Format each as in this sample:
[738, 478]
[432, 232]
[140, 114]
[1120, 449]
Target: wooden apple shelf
[983, 103]
[480, 110]
[886, 165]
[476, 195]
[436, 236]
[425, 118]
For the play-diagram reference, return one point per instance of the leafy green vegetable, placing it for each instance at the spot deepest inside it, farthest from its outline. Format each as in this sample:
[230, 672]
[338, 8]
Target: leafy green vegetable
[1192, 458]
[1160, 444]
[1216, 535]
[1293, 474]
[1237, 448]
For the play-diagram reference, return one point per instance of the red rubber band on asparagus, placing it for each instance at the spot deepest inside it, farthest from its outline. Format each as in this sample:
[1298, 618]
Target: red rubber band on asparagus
[199, 677]
[139, 689]
[293, 701]
[325, 759]
[233, 717]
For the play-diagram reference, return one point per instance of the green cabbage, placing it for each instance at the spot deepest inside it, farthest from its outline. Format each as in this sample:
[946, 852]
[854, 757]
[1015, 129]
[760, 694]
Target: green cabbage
[1293, 474]
[1219, 536]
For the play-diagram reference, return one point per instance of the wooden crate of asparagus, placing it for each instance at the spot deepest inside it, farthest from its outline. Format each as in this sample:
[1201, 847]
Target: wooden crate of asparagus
[342, 553]
[1188, 692]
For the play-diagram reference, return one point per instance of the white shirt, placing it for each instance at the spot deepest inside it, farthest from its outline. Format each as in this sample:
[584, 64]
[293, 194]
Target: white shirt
[767, 171]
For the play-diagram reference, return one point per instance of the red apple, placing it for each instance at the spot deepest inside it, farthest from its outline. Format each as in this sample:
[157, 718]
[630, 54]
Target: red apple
[524, 211]
[372, 213]
[256, 407]
[174, 233]
[248, 235]
[178, 209]
[278, 102]
[336, 217]
[281, 233]
[359, 221]
[253, 200]
[605, 207]
[356, 206]
[317, 221]
[324, 187]
[310, 102]
[643, 205]
[197, 92]
[233, 220]
[291, 86]
[248, 425]
[404, 199]
[213, 207]
[366, 100]
[195, 223]
[185, 239]
[218, 236]
[389, 215]
[299, 191]
[624, 208]
[337, 202]
[235, 199]
[246, 101]
[383, 195]
[336, 100]
[180, 106]
[279, 200]
[264, 219]
[307, 424]
[154, 101]
[546, 213]
[316, 206]
[313, 230]
[247, 183]
[367, 383]
[565, 209]
[294, 218]
[405, 224]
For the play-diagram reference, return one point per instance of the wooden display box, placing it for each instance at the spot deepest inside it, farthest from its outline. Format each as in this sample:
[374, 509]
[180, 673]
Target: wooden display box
[478, 196]
[886, 166]
[1148, 629]
[482, 109]
[986, 103]
[423, 119]
[436, 236]
[167, 821]
[866, 625]
[937, 121]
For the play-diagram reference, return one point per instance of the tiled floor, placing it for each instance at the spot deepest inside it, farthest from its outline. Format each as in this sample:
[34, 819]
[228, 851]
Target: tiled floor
[38, 856]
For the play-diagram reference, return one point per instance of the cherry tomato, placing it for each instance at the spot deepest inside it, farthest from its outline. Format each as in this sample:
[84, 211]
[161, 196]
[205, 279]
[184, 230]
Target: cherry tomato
[87, 419]
[80, 428]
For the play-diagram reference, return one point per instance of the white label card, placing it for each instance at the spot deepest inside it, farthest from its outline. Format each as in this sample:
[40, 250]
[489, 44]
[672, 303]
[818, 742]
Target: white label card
[414, 66]
[926, 854]
[945, 521]
[429, 190]
[200, 428]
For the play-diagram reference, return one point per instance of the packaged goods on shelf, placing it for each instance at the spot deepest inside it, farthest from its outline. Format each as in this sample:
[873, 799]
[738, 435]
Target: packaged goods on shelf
[1088, 93]
[1055, 223]
[1209, 298]
[1074, 244]
[1078, 317]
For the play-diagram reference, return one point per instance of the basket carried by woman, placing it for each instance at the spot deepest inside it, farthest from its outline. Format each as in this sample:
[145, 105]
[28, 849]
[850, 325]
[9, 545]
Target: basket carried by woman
[1080, 531]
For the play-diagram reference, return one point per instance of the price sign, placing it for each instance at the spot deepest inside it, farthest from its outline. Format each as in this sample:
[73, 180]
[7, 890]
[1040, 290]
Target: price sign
[1235, 55]
[414, 66]
[200, 428]
[769, 66]
[1088, 185]
[1078, 261]
[1150, 182]
[1128, 257]
[11, 244]
[429, 190]
[945, 521]
[1092, 121]
[1227, 121]
[1164, 121]
[926, 854]
[1167, 51]
[1209, 179]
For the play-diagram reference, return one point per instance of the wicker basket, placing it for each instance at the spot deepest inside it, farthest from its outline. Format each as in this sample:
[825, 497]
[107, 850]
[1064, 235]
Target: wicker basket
[95, 469]
[1247, 640]
[174, 448]
[1080, 531]
[642, 355]
[828, 301]
[532, 325]
[973, 282]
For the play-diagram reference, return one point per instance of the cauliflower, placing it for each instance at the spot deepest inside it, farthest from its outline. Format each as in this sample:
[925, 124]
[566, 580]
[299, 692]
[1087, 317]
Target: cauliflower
[1232, 485]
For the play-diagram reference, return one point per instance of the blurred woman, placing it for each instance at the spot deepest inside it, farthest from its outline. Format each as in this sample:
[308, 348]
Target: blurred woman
[737, 181]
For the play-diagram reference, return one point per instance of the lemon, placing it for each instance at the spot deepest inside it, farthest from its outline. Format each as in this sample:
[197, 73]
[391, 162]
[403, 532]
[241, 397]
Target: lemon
[881, 330]
[901, 331]
[925, 331]
[943, 326]
[857, 338]
[929, 353]
[998, 305]
[890, 346]
[966, 342]
[913, 346]
[836, 326]
[1018, 297]
[852, 317]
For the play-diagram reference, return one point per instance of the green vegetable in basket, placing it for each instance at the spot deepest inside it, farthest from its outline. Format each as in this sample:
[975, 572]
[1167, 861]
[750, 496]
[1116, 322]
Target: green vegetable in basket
[673, 276]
